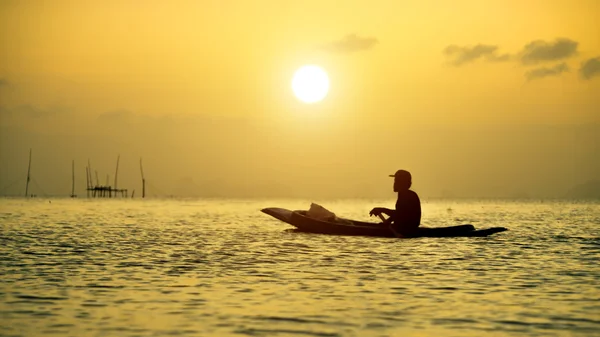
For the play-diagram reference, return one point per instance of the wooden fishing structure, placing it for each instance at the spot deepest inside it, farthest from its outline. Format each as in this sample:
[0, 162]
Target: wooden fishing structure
[103, 191]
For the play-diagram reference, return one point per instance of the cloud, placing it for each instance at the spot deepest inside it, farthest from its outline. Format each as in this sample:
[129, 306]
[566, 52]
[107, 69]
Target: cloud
[541, 51]
[31, 111]
[499, 58]
[351, 43]
[460, 55]
[124, 119]
[32, 114]
[3, 82]
[590, 68]
[545, 71]
[116, 116]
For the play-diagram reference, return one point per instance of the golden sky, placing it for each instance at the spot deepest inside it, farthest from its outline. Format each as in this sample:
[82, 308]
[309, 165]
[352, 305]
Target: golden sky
[209, 83]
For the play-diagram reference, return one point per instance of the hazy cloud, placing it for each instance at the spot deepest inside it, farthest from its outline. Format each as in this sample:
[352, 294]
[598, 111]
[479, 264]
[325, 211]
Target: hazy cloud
[542, 51]
[116, 116]
[32, 114]
[31, 111]
[124, 119]
[590, 68]
[499, 58]
[545, 71]
[351, 43]
[460, 55]
[3, 82]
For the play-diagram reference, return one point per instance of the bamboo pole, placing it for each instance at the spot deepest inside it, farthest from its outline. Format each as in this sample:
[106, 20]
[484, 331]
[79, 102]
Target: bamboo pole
[73, 181]
[28, 176]
[143, 180]
[117, 171]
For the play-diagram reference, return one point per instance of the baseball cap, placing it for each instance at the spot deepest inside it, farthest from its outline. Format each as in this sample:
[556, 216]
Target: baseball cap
[401, 174]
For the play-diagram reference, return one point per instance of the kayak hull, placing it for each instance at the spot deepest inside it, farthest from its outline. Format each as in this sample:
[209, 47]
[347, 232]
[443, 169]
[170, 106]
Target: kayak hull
[303, 223]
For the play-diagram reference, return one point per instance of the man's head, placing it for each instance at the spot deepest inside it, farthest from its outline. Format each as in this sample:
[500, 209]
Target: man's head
[402, 180]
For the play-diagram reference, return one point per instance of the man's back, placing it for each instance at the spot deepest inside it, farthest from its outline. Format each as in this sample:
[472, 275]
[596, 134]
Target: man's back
[408, 212]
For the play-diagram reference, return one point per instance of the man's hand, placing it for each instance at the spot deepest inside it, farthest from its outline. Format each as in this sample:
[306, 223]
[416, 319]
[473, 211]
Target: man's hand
[377, 211]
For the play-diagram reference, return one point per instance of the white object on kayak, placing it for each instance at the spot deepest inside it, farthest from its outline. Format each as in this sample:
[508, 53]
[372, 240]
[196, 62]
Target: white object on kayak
[319, 212]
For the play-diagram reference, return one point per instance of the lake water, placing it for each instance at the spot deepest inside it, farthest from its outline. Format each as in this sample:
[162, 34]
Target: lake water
[223, 268]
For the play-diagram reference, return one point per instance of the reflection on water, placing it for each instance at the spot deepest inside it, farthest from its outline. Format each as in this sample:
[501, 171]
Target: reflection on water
[221, 267]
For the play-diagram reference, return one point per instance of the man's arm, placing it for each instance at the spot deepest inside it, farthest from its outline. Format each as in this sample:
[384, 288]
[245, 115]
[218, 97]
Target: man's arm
[378, 211]
[382, 210]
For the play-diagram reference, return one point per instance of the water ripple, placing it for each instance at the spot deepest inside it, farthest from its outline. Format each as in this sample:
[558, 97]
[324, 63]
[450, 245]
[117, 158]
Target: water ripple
[193, 267]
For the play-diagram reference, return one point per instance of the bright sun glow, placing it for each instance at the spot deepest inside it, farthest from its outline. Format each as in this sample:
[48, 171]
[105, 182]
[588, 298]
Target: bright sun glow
[310, 84]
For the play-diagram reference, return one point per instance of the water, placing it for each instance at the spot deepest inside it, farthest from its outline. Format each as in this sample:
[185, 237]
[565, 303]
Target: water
[222, 268]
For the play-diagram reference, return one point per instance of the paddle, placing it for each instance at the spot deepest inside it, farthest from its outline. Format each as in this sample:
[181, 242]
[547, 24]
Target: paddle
[398, 235]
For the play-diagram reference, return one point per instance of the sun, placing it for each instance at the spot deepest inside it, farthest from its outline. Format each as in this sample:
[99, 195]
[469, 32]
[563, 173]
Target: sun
[310, 84]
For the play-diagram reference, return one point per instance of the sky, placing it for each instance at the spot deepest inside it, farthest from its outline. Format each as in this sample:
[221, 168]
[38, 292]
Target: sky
[475, 98]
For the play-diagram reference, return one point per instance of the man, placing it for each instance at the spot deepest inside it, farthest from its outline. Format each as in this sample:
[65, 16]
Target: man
[406, 218]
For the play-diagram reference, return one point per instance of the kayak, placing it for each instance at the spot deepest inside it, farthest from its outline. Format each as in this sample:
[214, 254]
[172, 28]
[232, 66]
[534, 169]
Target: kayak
[342, 226]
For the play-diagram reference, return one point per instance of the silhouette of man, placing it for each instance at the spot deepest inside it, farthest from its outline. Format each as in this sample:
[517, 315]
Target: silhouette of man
[406, 218]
